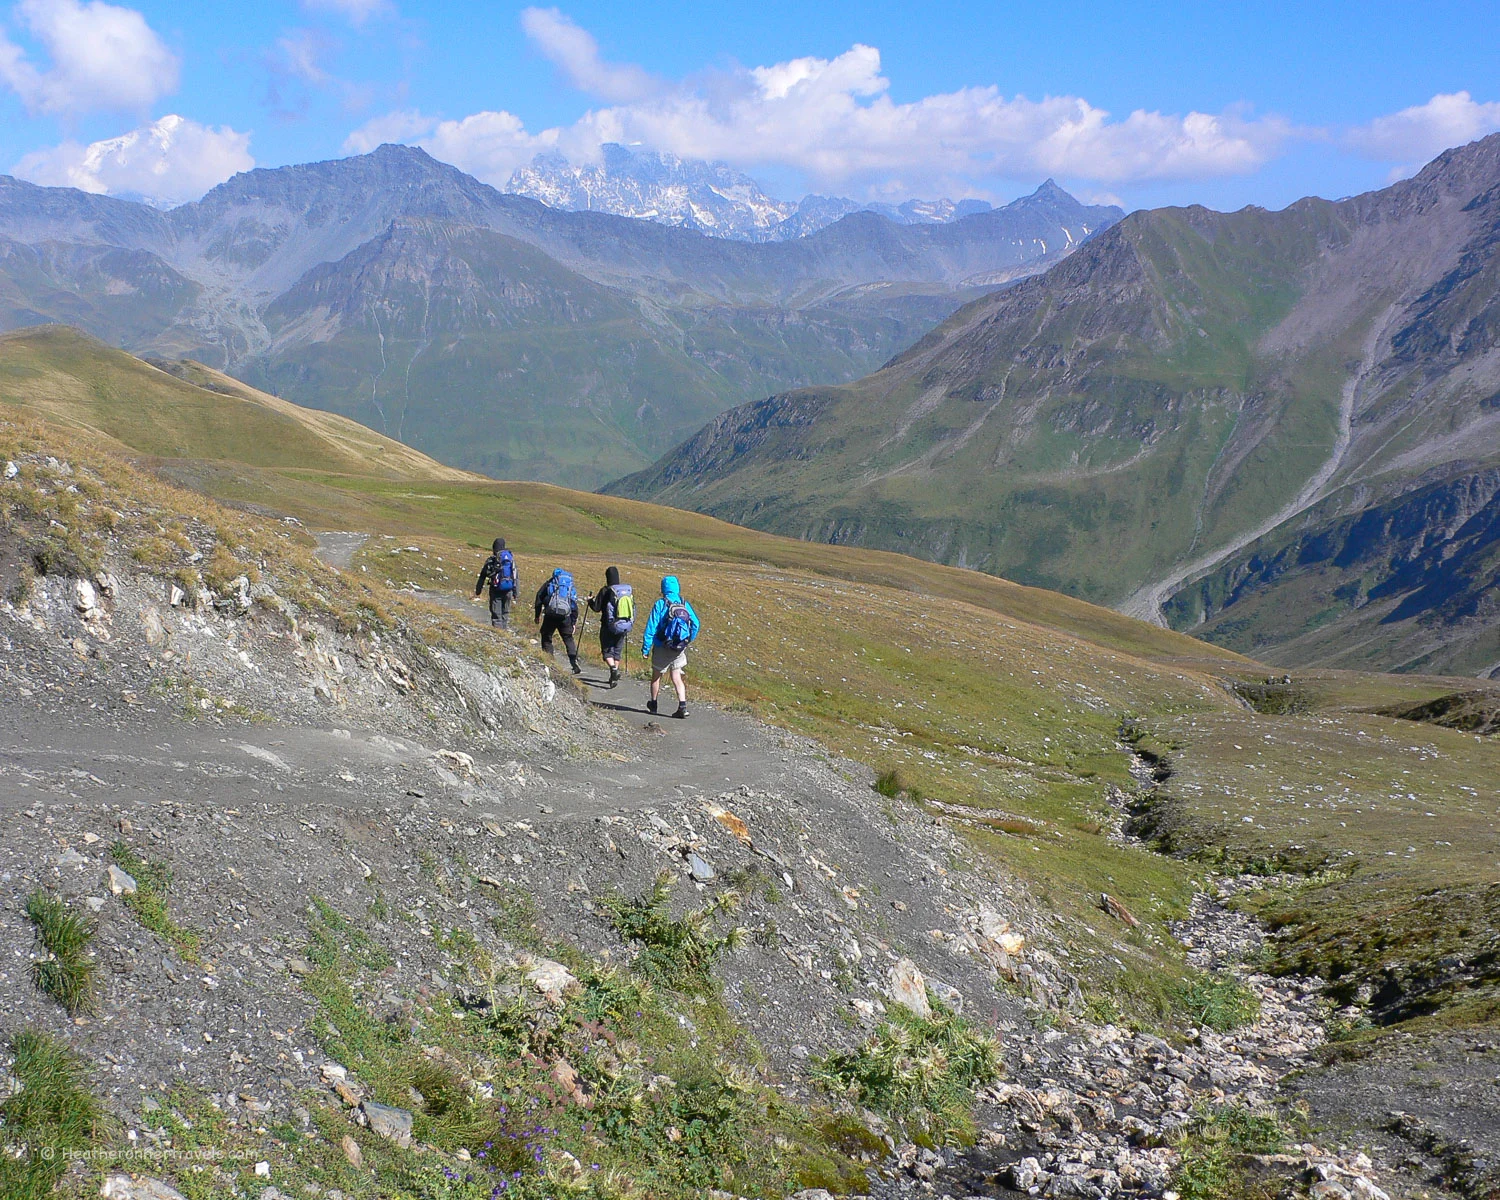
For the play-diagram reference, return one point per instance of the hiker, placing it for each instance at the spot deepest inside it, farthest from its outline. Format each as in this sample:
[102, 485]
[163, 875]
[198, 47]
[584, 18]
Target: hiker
[558, 600]
[499, 573]
[670, 629]
[616, 608]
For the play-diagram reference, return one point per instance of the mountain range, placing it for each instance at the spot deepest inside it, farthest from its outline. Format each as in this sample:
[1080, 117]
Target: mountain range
[490, 330]
[712, 198]
[1277, 430]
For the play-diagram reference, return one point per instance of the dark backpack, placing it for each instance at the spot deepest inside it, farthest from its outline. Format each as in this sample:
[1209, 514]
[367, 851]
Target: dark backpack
[619, 613]
[561, 596]
[503, 578]
[676, 627]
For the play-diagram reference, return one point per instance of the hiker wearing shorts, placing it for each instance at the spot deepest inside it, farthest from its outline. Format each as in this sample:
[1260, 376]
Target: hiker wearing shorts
[670, 629]
[616, 608]
[499, 574]
[557, 612]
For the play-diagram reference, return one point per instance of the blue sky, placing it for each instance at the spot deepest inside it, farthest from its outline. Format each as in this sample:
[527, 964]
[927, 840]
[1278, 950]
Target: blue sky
[1151, 104]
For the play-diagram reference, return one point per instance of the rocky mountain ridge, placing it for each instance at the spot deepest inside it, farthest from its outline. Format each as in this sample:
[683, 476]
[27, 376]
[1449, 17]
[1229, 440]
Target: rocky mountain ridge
[647, 330]
[1260, 421]
[712, 198]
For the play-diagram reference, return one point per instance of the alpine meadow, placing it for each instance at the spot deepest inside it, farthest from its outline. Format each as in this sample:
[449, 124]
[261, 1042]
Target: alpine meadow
[695, 610]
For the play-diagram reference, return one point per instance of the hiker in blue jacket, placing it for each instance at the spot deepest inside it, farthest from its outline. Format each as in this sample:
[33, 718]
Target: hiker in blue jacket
[670, 629]
[557, 612]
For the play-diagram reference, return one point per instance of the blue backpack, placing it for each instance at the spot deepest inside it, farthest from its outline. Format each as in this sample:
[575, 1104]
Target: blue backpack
[620, 611]
[677, 627]
[561, 595]
[504, 578]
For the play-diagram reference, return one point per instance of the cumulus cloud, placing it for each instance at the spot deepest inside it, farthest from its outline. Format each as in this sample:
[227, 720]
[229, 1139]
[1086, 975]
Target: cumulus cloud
[833, 121]
[574, 50]
[406, 125]
[1419, 133]
[102, 57]
[356, 12]
[168, 162]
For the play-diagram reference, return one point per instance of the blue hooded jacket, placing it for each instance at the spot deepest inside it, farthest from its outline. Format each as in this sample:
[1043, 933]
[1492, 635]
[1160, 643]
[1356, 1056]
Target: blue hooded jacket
[671, 593]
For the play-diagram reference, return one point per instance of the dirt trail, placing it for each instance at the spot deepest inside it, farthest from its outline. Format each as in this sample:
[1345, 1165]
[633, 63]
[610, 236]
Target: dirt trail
[710, 751]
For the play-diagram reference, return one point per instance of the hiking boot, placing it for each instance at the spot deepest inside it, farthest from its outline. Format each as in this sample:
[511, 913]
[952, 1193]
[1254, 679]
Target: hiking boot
[651, 707]
[681, 712]
[577, 670]
[614, 676]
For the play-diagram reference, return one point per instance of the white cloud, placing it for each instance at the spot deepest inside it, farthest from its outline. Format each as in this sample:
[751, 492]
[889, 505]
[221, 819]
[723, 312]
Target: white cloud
[168, 162]
[575, 51]
[356, 12]
[403, 126]
[299, 54]
[102, 57]
[833, 122]
[1421, 132]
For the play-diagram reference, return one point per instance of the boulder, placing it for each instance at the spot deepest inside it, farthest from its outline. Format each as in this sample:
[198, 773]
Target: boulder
[393, 1124]
[909, 989]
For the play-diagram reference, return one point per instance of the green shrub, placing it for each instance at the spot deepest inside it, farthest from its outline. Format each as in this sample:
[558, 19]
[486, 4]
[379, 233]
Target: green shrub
[676, 952]
[1221, 1002]
[921, 1071]
[1211, 1145]
[68, 974]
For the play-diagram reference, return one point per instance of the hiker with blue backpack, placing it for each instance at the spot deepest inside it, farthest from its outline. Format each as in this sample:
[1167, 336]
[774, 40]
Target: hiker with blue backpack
[670, 630]
[616, 608]
[500, 576]
[557, 612]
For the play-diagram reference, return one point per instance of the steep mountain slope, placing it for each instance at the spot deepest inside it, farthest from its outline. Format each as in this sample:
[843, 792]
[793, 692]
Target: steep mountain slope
[276, 276]
[710, 197]
[1190, 387]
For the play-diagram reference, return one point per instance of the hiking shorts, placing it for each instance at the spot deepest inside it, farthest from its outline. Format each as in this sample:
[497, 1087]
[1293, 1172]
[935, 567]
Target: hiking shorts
[664, 659]
[612, 645]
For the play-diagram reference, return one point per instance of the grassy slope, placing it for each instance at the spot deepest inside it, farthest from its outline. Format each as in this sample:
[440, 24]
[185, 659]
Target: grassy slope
[63, 375]
[1000, 704]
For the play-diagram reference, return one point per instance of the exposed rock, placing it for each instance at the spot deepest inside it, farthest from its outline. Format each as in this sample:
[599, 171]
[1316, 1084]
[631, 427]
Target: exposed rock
[393, 1124]
[1117, 910]
[121, 883]
[137, 1187]
[909, 988]
[550, 978]
[700, 868]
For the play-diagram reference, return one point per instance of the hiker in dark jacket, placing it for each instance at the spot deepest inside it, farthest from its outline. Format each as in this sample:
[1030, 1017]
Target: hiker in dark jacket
[557, 612]
[616, 608]
[671, 626]
[499, 574]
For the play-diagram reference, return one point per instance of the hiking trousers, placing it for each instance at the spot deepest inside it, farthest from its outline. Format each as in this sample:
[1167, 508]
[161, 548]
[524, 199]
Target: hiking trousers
[553, 625]
[500, 606]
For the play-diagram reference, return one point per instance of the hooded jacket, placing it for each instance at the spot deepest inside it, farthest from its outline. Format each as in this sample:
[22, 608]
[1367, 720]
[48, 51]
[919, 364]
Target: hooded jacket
[491, 565]
[671, 593]
[545, 591]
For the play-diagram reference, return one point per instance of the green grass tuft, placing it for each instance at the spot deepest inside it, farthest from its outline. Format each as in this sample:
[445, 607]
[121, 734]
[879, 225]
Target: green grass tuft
[53, 1116]
[149, 901]
[69, 975]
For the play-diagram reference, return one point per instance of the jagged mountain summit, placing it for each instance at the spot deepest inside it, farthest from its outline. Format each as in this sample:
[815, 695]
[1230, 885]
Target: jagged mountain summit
[1277, 430]
[712, 198]
[491, 330]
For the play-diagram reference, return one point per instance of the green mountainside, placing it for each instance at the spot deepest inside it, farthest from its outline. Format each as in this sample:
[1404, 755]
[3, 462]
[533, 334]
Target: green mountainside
[489, 329]
[1292, 412]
